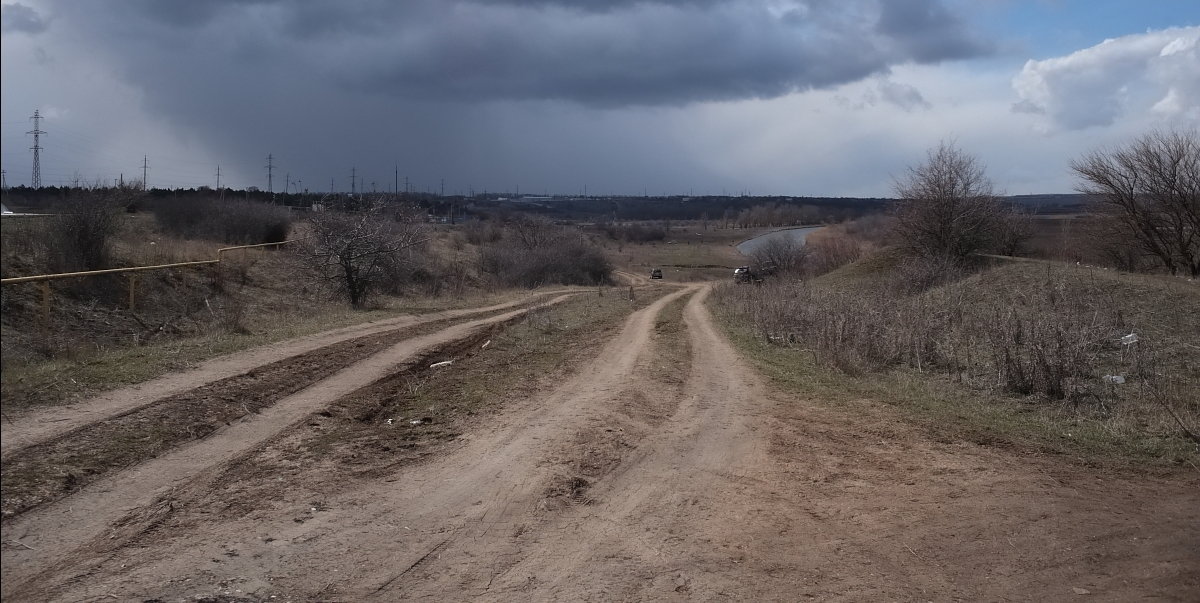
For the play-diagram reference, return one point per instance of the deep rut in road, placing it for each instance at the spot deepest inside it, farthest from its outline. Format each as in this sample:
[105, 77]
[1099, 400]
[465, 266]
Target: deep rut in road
[47, 535]
[44, 424]
[628, 481]
[56, 467]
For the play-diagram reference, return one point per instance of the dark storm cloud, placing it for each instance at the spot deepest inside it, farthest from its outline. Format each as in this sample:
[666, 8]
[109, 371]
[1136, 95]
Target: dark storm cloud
[607, 54]
[17, 17]
[927, 31]
[490, 93]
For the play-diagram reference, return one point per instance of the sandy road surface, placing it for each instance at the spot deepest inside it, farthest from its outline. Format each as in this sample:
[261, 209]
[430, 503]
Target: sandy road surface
[46, 423]
[48, 535]
[624, 484]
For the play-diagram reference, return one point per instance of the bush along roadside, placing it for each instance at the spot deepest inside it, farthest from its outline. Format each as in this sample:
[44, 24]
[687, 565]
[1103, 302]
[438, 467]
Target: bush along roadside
[1046, 346]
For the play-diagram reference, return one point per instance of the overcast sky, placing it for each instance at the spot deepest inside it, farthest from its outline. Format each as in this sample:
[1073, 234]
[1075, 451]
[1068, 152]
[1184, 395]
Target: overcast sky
[792, 97]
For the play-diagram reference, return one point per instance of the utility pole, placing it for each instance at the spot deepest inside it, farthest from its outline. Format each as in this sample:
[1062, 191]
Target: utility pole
[37, 148]
[145, 169]
[287, 181]
[406, 185]
[443, 193]
[218, 177]
[353, 177]
[331, 185]
[270, 168]
[396, 183]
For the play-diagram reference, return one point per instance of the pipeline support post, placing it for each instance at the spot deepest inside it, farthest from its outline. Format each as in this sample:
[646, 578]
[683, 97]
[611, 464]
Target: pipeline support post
[45, 286]
[132, 291]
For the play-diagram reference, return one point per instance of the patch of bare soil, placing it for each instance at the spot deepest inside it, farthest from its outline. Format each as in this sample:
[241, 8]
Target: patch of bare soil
[616, 484]
[54, 530]
[51, 470]
[22, 430]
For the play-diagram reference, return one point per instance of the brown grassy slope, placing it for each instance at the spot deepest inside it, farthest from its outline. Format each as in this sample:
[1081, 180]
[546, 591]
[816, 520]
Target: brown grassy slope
[958, 390]
[93, 341]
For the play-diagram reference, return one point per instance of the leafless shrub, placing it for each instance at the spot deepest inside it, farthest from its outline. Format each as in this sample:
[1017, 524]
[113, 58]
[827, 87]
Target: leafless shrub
[478, 232]
[82, 230]
[780, 255]
[570, 262]
[916, 274]
[948, 206]
[1013, 232]
[830, 251]
[534, 232]
[353, 251]
[1150, 193]
[535, 252]
[1051, 350]
[1106, 241]
[1049, 341]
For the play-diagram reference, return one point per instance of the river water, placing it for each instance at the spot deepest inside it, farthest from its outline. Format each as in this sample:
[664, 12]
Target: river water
[795, 234]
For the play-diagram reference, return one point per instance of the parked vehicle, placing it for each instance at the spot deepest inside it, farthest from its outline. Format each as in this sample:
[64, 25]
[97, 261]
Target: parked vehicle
[656, 273]
[746, 274]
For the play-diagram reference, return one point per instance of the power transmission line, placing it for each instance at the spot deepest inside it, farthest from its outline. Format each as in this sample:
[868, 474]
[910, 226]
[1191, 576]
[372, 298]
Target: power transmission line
[37, 148]
[270, 168]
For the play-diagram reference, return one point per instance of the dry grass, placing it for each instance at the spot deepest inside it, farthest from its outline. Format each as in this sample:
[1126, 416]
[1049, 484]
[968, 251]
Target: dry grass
[690, 253]
[1038, 336]
[185, 318]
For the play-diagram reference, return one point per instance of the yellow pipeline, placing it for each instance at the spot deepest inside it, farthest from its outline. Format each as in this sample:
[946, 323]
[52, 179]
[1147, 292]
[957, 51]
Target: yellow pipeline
[60, 275]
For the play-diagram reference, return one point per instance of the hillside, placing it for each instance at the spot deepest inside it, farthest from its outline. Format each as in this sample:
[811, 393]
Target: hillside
[1025, 352]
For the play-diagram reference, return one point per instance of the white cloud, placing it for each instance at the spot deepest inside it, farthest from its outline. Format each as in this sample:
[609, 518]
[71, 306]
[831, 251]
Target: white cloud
[1158, 72]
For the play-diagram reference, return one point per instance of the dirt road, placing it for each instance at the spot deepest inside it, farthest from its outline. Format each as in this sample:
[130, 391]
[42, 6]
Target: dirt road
[43, 424]
[627, 481]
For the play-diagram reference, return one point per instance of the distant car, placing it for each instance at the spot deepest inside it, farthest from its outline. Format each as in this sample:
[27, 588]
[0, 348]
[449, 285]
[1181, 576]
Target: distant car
[656, 273]
[745, 274]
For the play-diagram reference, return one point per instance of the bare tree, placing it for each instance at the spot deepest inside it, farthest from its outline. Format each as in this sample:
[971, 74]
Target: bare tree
[947, 206]
[1149, 190]
[782, 255]
[354, 250]
[534, 232]
[1014, 231]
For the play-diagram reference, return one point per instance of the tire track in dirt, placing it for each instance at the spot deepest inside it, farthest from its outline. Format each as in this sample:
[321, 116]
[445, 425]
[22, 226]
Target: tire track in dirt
[385, 534]
[724, 490]
[54, 468]
[470, 505]
[631, 278]
[49, 534]
[627, 541]
[44, 424]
